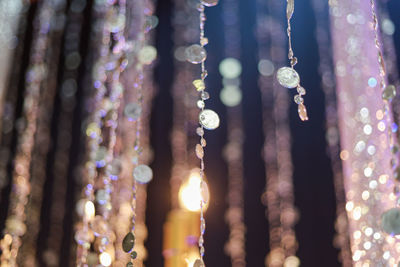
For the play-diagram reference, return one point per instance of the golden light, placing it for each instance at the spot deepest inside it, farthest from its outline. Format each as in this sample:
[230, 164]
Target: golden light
[191, 257]
[89, 210]
[190, 195]
[105, 259]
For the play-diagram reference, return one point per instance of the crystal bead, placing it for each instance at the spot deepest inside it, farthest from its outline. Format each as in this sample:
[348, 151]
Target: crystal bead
[302, 112]
[195, 54]
[391, 221]
[298, 99]
[129, 264]
[205, 95]
[128, 242]
[99, 226]
[204, 41]
[289, 9]
[198, 263]
[199, 84]
[209, 2]
[203, 142]
[133, 111]
[134, 255]
[199, 151]
[389, 92]
[15, 226]
[201, 104]
[200, 131]
[301, 90]
[209, 119]
[102, 197]
[293, 61]
[288, 77]
[143, 174]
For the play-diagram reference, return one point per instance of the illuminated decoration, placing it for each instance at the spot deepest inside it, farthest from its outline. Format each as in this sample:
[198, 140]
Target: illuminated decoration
[288, 77]
[328, 83]
[190, 194]
[208, 119]
[231, 96]
[35, 77]
[365, 153]
[278, 198]
[182, 228]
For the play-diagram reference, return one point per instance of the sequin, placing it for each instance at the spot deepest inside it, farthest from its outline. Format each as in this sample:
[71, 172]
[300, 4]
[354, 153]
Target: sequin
[143, 174]
[128, 242]
[288, 77]
[209, 119]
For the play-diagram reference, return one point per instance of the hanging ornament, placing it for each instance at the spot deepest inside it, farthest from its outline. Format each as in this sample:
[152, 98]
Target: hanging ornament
[287, 76]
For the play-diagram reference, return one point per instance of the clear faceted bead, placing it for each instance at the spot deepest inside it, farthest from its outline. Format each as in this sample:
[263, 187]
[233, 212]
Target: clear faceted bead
[288, 77]
[143, 174]
[209, 119]
[201, 104]
[198, 263]
[391, 221]
[200, 131]
[389, 92]
[302, 112]
[205, 95]
[195, 54]
[298, 99]
[209, 2]
[301, 90]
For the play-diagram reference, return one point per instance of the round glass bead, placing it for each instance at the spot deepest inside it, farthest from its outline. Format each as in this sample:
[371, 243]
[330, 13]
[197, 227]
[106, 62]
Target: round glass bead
[134, 255]
[288, 77]
[389, 92]
[301, 90]
[298, 99]
[209, 2]
[143, 174]
[132, 111]
[129, 264]
[195, 54]
[209, 119]
[128, 242]
[205, 95]
[391, 221]
[102, 197]
[200, 131]
[201, 104]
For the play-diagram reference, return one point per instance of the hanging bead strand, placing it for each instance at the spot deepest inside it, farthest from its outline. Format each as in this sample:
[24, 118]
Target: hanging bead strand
[288, 77]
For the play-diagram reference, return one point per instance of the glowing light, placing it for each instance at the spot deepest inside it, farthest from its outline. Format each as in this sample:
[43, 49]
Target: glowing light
[105, 259]
[190, 195]
[89, 210]
[191, 257]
